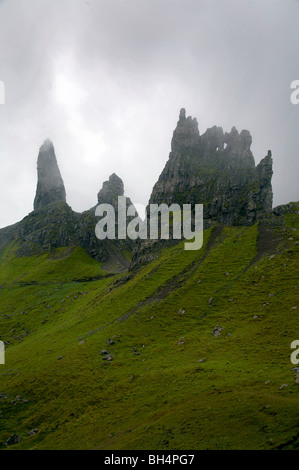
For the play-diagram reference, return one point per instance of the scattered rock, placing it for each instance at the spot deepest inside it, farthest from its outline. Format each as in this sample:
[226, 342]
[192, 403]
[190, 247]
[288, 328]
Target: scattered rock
[110, 341]
[202, 360]
[104, 352]
[32, 432]
[14, 439]
[283, 386]
[107, 358]
[255, 317]
[216, 331]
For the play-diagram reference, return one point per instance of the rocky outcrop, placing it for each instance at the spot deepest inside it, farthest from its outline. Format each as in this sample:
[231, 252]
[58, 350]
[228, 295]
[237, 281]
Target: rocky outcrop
[50, 188]
[218, 170]
[291, 207]
[110, 191]
[53, 223]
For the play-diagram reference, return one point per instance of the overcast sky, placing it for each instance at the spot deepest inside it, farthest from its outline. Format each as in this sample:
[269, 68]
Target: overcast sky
[105, 81]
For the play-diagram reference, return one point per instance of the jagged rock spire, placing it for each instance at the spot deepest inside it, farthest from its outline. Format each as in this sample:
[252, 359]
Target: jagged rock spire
[110, 191]
[218, 170]
[50, 188]
[186, 134]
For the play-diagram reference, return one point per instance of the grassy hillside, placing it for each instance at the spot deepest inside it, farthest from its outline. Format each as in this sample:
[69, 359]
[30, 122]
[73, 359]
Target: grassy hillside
[197, 347]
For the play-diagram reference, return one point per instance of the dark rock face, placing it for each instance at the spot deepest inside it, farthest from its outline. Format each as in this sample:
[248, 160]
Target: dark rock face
[215, 169]
[218, 170]
[50, 188]
[53, 223]
[110, 191]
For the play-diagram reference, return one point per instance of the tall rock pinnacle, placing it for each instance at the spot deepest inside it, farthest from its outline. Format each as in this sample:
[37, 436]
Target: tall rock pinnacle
[186, 134]
[50, 187]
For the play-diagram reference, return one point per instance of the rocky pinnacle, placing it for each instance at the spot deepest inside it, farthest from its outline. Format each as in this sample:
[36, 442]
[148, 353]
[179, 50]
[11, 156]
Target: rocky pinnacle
[218, 170]
[50, 188]
[110, 191]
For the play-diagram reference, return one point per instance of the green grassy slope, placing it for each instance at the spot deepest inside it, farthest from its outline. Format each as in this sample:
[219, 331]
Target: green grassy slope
[166, 382]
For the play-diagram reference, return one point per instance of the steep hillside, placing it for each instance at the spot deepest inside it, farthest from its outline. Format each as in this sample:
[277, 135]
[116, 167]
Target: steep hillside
[191, 351]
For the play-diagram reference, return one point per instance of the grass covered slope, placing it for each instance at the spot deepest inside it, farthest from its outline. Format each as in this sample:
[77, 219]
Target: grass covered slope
[191, 351]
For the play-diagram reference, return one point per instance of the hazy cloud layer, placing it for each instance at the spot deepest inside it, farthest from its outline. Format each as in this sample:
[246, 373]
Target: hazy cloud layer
[105, 81]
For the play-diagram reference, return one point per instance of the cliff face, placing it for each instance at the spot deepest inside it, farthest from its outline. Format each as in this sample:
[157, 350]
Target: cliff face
[218, 170]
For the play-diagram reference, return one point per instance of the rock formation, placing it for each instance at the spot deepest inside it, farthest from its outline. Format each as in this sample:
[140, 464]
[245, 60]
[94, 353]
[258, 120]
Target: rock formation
[53, 223]
[50, 188]
[215, 169]
[218, 170]
[110, 191]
